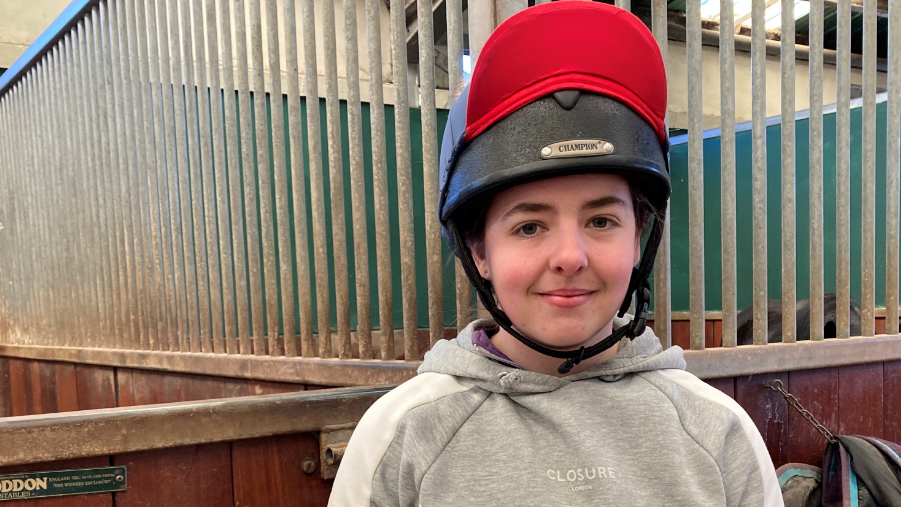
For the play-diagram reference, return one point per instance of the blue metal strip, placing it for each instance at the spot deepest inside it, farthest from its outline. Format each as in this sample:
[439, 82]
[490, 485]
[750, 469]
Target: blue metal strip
[69, 17]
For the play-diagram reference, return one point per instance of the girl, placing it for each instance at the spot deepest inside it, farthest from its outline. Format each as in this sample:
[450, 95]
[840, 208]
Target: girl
[554, 161]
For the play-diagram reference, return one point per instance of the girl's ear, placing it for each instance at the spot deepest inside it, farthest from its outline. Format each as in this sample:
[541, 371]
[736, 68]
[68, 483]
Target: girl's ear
[637, 256]
[481, 261]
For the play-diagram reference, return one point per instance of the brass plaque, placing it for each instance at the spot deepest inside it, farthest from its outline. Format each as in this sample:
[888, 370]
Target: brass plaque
[26, 486]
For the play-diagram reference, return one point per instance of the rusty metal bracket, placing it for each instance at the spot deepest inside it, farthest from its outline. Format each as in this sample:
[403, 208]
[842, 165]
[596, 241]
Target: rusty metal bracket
[332, 443]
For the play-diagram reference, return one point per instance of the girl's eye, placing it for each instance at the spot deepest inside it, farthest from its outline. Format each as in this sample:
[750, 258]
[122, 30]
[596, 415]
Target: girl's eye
[600, 222]
[529, 229]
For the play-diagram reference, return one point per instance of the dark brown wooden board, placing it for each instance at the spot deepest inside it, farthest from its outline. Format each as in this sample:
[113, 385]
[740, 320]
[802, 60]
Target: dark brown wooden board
[96, 386]
[268, 472]
[66, 387]
[892, 401]
[257, 387]
[125, 392]
[194, 476]
[726, 385]
[95, 500]
[681, 333]
[860, 400]
[817, 391]
[19, 386]
[6, 402]
[769, 411]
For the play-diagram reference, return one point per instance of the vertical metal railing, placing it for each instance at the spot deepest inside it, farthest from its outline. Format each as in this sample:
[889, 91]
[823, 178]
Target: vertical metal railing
[170, 152]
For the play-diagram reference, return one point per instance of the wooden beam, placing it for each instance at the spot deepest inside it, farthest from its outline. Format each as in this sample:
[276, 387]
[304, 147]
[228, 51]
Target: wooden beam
[53, 437]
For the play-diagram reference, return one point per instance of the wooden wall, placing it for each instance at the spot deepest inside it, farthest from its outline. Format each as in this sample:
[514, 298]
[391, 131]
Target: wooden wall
[860, 399]
[263, 472]
[30, 387]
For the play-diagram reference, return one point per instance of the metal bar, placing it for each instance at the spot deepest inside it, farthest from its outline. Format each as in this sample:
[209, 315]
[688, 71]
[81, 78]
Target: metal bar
[868, 166]
[758, 171]
[380, 178]
[123, 177]
[159, 193]
[455, 73]
[627, 5]
[251, 218]
[281, 185]
[146, 167]
[168, 66]
[92, 142]
[843, 171]
[212, 277]
[816, 170]
[357, 178]
[892, 168]
[662, 280]
[263, 176]
[103, 261]
[336, 180]
[233, 154]
[137, 168]
[298, 186]
[317, 198]
[789, 230]
[221, 272]
[195, 144]
[695, 172]
[404, 178]
[185, 147]
[430, 169]
[110, 170]
[727, 169]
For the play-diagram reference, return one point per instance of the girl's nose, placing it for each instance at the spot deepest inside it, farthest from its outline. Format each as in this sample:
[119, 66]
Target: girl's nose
[570, 254]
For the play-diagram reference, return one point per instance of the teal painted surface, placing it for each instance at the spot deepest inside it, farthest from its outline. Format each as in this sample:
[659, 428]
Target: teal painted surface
[419, 218]
[712, 232]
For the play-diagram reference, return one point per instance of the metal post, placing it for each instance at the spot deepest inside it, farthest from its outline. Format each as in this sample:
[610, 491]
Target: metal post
[727, 169]
[380, 179]
[301, 239]
[336, 180]
[250, 192]
[695, 173]
[892, 168]
[816, 170]
[758, 175]
[404, 178]
[662, 307]
[789, 230]
[843, 172]
[357, 178]
[222, 272]
[868, 166]
[236, 223]
[430, 168]
[210, 277]
[314, 143]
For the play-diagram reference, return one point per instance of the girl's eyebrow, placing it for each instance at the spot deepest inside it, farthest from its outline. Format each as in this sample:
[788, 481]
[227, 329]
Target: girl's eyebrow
[537, 207]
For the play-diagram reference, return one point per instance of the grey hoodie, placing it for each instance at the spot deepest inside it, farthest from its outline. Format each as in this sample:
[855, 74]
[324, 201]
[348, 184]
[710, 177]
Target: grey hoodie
[473, 430]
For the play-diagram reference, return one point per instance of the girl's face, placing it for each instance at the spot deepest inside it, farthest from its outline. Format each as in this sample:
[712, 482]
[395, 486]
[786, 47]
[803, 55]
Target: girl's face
[559, 254]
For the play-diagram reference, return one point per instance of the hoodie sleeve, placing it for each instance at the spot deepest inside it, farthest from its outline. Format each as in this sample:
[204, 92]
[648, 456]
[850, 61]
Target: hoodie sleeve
[749, 478]
[381, 465]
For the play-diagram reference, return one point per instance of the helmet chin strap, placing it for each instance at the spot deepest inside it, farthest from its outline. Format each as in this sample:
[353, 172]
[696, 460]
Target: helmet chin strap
[638, 284]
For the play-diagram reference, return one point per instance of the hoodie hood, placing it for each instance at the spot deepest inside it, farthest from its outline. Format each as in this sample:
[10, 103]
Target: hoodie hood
[461, 358]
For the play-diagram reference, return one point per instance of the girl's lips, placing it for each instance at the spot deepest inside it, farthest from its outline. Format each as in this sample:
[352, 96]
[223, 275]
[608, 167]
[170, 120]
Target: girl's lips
[567, 299]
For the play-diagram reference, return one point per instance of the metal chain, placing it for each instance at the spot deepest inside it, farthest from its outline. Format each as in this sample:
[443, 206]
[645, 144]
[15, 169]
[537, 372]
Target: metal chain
[777, 385]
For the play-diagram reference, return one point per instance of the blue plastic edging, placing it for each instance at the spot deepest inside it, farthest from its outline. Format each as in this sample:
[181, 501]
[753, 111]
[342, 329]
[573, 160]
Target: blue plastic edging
[60, 26]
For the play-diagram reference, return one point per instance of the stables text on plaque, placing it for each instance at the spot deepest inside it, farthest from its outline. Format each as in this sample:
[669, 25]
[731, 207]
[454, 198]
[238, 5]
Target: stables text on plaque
[28, 485]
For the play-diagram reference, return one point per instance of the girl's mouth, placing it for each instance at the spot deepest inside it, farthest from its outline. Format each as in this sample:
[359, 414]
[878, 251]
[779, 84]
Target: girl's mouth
[567, 298]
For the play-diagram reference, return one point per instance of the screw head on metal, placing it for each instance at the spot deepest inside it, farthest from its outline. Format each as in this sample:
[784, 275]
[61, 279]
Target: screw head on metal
[308, 465]
[608, 148]
[546, 151]
[119, 478]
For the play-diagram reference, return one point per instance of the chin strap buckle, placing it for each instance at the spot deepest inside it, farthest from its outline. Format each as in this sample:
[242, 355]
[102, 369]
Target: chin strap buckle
[640, 320]
[569, 363]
